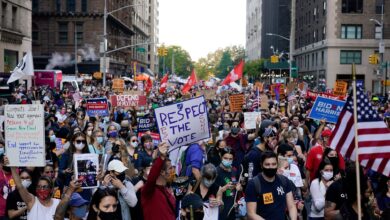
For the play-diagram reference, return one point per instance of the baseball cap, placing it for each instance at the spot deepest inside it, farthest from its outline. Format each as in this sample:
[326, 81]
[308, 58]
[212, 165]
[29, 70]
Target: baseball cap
[193, 200]
[76, 200]
[326, 133]
[265, 124]
[269, 132]
[116, 165]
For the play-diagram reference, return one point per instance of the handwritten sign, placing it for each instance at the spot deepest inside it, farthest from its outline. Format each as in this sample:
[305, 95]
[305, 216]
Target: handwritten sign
[264, 101]
[328, 109]
[259, 86]
[145, 124]
[340, 88]
[25, 135]
[118, 85]
[250, 119]
[97, 106]
[86, 169]
[128, 100]
[183, 123]
[236, 102]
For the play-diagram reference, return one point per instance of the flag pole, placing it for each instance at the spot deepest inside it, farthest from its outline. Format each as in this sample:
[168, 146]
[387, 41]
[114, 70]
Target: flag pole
[356, 141]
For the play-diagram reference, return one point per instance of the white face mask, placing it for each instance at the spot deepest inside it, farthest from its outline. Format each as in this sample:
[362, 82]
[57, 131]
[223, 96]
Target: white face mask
[327, 175]
[26, 183]
[79, 146]
[89, 133]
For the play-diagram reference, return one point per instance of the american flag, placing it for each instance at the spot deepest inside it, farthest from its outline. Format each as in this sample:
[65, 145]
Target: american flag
[373, 135]
[257, 100]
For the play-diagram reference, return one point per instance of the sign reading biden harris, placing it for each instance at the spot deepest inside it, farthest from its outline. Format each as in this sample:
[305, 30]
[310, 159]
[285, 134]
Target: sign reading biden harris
[328, 109]
[184, 122]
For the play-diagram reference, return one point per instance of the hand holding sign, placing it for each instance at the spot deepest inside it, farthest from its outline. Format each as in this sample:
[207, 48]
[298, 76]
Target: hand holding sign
[163, 150]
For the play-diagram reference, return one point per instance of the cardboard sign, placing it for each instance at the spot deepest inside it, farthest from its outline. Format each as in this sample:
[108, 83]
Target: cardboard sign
[264, 101]
[236, 102]
[97, 106]
[118, 85]
[280, 87]
[291, 87]
[340, 88]
[145, 124]
[128, 100]
[183, 123]
[86, 169]
[208, 94]
[132, 92]
[25, 135]
[250, 119]
[314, 95]
[155, 137]
[328, 109]
[259, 86]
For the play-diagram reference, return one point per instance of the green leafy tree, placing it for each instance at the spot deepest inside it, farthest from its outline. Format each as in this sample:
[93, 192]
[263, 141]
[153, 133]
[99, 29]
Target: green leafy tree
[254, 68]
[225, 65]
[182, 61]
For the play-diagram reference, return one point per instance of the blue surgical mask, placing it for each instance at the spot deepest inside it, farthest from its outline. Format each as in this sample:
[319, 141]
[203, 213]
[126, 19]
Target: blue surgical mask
[52, 138]
[227, 163]
[113, 134]
[1, 150]
[290, 160]
[100, 140]
[80, 212]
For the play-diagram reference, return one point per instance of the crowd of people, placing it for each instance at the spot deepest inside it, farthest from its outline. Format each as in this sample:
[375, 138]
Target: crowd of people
[282, 169]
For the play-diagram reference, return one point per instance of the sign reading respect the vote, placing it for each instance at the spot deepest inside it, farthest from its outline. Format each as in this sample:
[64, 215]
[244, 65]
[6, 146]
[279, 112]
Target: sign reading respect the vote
[184, 122]
[328, 109]
[25, 135]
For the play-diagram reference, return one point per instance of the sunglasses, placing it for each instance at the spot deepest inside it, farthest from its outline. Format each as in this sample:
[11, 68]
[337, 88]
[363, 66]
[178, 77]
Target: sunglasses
[80, 141]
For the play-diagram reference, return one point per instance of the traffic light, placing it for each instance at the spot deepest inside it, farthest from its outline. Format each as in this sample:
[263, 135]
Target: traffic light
[274, 59]
[165, 52]
[373, 59]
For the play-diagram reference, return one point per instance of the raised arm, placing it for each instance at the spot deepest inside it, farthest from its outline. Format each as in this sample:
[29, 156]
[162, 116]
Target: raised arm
[63, 205]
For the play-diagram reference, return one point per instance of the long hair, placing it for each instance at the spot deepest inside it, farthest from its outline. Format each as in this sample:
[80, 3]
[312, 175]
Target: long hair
[325, 161]
[97, 198]
[72, 148]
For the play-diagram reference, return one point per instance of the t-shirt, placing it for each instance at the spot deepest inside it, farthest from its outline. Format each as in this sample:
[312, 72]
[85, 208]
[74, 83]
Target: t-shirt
[15, 202]
[211, 193]
[271, 202]
[224, 177]
[5, 188]
[336, 193]
[194, 158]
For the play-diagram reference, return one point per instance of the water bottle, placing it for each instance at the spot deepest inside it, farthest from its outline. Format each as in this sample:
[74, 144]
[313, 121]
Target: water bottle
[228, 192]
[250, 171]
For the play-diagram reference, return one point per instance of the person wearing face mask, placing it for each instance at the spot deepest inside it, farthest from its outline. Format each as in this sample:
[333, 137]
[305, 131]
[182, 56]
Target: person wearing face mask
[227, 180]
[61, 115]
[17, 208]
[112, 136]
[287, 165]
[268, 194]
[139, 181]
[132, 148]
[2, 144]
[192, 208]
[156, 199]
[116, 178]
[214, 153]
[332, 156]
[96, 145]
[104, 205]
[318, 189]
[146, 151]
[80, 121]
[42, 206]
[6, 185]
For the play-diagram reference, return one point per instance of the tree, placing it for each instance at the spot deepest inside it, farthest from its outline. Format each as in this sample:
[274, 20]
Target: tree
[225, 65]
[237, 53]
[254, 68]
[182, 61]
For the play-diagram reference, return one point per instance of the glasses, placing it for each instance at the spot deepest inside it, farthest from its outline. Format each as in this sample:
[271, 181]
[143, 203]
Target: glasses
[43, 187]
[80, 141]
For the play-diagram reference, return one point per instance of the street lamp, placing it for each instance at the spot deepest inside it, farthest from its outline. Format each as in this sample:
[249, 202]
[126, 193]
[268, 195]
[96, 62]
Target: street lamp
[290, 58]
[106, 14]
[381, 50]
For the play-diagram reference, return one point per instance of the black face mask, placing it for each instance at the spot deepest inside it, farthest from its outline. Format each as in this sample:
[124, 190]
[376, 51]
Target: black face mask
[121, 177]
[7, 169]
[124, 133]
[108, 215]
[269, 172]
[197, 216]
[334, 161]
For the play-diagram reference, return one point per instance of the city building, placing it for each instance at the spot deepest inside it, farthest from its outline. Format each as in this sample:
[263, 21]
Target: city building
[15, 32]
[154, 33]
[262, 17]
[331, 35]
[63, 28]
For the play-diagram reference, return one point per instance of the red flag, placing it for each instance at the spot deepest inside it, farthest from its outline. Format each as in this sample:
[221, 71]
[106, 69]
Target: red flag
[190, 82]
[149, 85]
[163, 83]
[235, 74]
[373, 135]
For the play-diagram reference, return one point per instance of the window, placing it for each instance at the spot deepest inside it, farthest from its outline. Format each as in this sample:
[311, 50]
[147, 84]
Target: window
[84, 6]
[351, 31]
[71, 6]
[58, 6]
[378, 6]
[324, 7]
[378, 32]
[352, 6]
[35, 5]
[322, 58]
[14, 16]
[79, 33]
[324, 33]
[63, 32]
[350, 56]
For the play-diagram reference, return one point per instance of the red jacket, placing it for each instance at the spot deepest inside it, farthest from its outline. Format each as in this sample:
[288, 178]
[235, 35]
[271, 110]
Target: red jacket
[154, 198]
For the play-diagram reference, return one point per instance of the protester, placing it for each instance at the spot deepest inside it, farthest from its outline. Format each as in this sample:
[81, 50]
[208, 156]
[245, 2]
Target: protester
[104, 205]
[16, 207]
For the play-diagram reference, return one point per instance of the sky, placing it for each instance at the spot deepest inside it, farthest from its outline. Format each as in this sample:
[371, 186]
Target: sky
[202, 26]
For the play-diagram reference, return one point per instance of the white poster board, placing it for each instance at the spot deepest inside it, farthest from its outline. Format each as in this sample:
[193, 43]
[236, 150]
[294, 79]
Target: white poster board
[183, 123]
[25, 135]
[86, 169]
[250, 119]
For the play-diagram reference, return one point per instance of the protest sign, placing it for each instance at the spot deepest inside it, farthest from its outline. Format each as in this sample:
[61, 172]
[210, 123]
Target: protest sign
[128, 100]
[25, 135]
[264, 101]
[291, 87]
[314, 95]
[76, 96]
[325, 108]
[133, 92]
[340, 88]
[86, 168]
[208, 94]
[118, 85]
[250, 119]
[140, 85]
[183, 123]
[155, 137]
[236, 102]
[145, 124]
[259, 86]
[98, 107]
